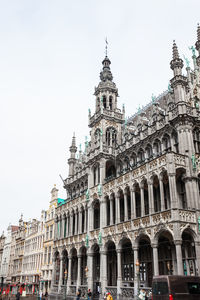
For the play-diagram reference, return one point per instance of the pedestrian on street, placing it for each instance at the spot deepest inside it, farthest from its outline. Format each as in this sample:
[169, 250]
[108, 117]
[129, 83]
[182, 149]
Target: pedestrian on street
[109, 296]
[78, 295]
[18, 295]
[142, 295]
[89, 294]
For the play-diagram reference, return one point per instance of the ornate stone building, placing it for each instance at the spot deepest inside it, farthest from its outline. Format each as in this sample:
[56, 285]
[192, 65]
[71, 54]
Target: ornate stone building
[47, 265]
[33, 255]
[133, 194]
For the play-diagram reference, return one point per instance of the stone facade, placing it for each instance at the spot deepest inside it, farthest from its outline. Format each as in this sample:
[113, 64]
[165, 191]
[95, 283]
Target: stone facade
[33, 255]
[132, 207]
[47, 264]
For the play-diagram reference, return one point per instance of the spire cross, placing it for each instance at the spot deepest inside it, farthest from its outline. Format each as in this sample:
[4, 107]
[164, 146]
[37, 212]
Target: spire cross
[106, 51]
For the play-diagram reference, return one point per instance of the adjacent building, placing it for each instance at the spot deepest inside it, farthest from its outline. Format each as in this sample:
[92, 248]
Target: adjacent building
[47, 264]
[33, 255]
[132, 206]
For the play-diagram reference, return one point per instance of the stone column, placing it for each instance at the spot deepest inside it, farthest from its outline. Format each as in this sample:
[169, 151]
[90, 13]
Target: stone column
[119, 272]
[90, 270]
[155, 259]
[117, 208]
[172, 190]
[162, 193]
[133, 214]
[142, 199]
[69, 273]
[150, 196]
[71, 224]
[103, 271]
[53, 272]
[111, 210]
[90, 217]
[103, 213]
[61, 275]
[85, 221]
[63, 225]
[76, 224]
[136, 279]
[78, 273]
[197, 248]
[60, 227]
[179, 257]
[80, 221]
[125, 206]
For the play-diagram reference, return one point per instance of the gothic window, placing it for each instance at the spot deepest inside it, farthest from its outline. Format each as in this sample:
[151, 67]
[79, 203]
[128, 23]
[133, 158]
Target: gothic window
[149, 152]
[134, 159]
[166, 143]
[175, 141]
[141, 157]
[181, 188]
[110, 169]
[96, 214]
[196, 138]
[157, 147]
[110, 103]
[97, 135]
[104, 101]
[111, 137]
[156, 194]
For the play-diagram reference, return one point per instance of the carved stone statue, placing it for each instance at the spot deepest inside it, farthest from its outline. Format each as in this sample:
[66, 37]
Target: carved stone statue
[99, 190]
[87, 241]
[87, 195]
[100, 238]
[193, 50]
[194, 165]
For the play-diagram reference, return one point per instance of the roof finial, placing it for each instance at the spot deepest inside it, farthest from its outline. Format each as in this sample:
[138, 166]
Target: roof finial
[198, 32]
[175, 50]
[106, 51]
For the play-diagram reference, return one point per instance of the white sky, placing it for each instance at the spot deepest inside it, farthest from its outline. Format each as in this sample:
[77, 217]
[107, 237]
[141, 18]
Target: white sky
[50, 59]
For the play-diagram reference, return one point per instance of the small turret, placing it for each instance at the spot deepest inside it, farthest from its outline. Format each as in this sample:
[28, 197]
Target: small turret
[178, 82]
[176, 63]
[72, 159]
[54, 193]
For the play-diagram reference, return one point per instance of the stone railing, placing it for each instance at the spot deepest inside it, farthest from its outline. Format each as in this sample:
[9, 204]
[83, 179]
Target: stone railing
[112, 290]
[187, 216]
[83, 289]
[127, 292]
[54, 289]
[72, 290]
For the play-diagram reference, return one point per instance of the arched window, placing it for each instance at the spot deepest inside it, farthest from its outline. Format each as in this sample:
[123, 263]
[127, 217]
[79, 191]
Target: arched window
[196, 139]
[104, 101]
[149, 151]
[141, 157]
[110, 103]
[157, 147]
[175, 141]
[97, 135]
[134, 160]
[166, 143]
[96, 214]
[111, 136]
[110, 169]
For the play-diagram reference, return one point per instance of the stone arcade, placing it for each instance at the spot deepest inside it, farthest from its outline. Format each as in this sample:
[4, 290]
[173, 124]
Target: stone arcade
[133, 194]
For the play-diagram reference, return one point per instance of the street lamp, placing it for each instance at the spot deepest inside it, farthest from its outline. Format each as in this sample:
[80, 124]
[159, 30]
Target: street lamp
[65, 284]
[137, 267]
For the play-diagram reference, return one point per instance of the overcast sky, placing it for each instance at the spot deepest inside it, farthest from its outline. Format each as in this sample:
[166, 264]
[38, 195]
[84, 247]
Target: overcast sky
[50, 59]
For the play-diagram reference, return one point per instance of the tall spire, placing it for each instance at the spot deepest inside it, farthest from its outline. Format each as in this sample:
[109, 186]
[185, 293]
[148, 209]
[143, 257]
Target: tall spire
[175, 50]
[197, 44]
[176, 63]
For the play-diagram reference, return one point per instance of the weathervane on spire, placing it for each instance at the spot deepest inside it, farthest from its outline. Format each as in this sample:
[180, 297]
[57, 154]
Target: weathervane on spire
[106, 46]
